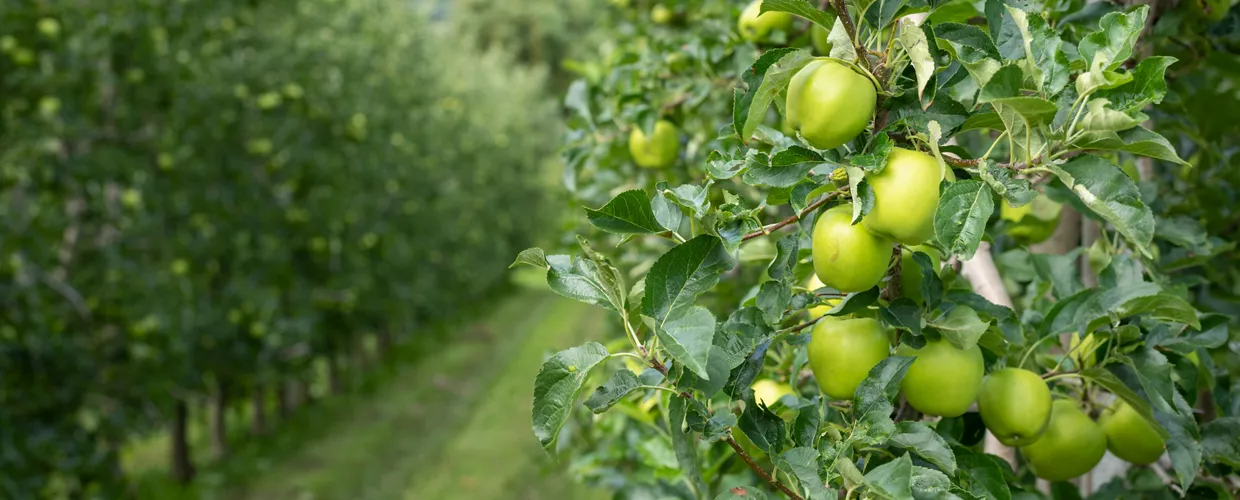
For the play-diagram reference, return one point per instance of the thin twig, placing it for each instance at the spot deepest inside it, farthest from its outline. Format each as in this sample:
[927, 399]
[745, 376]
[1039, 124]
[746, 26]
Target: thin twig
[806, 211]
[761, 472]
[894, 290]
[841, 11]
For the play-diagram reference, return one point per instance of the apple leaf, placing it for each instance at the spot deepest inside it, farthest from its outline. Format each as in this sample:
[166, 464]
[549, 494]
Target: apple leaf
[960, 220]
[892, 480]
[621, 383]
[557, 385]
[919, 438]
[961, 326]
[1112, 195]
[801, 8]
[532, 257]
[803, 463]
[764, 80]
[684, 445]
[680, 275]
[688, 339]
[629, 212]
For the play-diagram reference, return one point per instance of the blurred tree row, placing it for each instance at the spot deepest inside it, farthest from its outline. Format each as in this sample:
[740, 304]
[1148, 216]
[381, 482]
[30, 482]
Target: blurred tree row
[203, 199]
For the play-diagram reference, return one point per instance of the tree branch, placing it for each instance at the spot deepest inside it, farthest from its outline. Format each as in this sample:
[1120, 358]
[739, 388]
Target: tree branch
[778, 225]
[841, 11]
[761, 472]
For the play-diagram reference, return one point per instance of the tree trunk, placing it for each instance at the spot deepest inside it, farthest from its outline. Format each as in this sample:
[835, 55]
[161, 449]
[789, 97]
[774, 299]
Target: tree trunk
[182, 465]
[284, 399]
[219, 422]
[258, 425]
[333, 373]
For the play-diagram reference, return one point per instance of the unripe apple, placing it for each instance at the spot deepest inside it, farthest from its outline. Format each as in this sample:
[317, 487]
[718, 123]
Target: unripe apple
[842, 352]
[660, 14]
[1210, 11]
[657, 151]
[906, 195]
[829, 103]
[818, 36]
[1032, 222]
[757, 27]
[768, 392]
[910, 271]
[1015, 405]
[847, 257]
[1072, 444]
[944, 380]
[1129, 436]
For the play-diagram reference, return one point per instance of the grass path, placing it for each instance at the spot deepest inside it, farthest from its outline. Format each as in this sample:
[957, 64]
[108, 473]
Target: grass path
[455, 425]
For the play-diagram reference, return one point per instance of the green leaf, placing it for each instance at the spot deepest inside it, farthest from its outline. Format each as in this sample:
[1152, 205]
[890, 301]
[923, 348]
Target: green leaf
[1163, 307]
[785, 260]
[872, 401]
[930, 484]
[1154, 373]
[904, 314]
[949, 114]
[666, 212]
[880, 13]
[919, 438]
[688, 338]
[1005, 83]
[577, 98]
[961, 326]
[982, 474]
[764, 428]
[680, 275]
[808, 425]
[986, 121]
[971, 46]
[892, 480]
[1101, 118]
[773, 298]
[1212, 333]
[556, 388]
[1111, 194]
[1148, 85]
[1220, 441]
[1017, 191]
[841, 45]
[765, 79]
[874, 161]
[1044, 59]
[682, 443]
[854, 302]
[803, 463]
[629, 212]
[1114, 40]
[913, 39]
[1137, 140]
[931, 284]
[621, 383]
[785, 169]
[1184, 445]
[960, 220]
[589, 281]
[531, 256]
[801, 8]
[1114, 385]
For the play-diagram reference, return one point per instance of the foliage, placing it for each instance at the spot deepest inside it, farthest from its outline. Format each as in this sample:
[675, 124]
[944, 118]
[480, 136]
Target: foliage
[207, 197]
[1012, 99]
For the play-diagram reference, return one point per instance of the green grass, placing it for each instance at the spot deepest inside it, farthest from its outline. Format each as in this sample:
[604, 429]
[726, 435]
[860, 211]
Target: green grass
[456, 424]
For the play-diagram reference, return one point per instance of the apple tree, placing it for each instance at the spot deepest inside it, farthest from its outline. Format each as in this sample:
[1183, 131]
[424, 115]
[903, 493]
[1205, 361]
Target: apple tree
[901, 249]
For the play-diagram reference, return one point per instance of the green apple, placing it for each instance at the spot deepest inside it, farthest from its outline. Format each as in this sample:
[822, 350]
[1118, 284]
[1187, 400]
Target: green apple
[769, 392]
[944, 380]
[910, 272]
[906, 195]
[1071, 445]
[1032, 222]
[657, 151]
[847, 257]
[660, 14]
[1129, 436]
[829, 103]
[842, 352]
[757, 27]
[1211, 11]
[1015, 405]
[818, 36]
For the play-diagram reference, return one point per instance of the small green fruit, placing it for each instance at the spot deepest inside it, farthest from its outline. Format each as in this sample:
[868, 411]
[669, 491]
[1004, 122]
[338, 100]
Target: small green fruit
[657, 151]
[1129, 436]
[910, 271]
[906, 195]
[842, 352]
[818, 36]
[1072, 444]
[847, 257]
[757, 27]
[1033, 222]
[829, 103]
[660, 14]
[1015, 405]
[944, 380]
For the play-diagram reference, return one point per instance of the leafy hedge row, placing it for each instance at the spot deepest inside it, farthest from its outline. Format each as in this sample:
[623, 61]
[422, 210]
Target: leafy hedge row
[204, 197]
